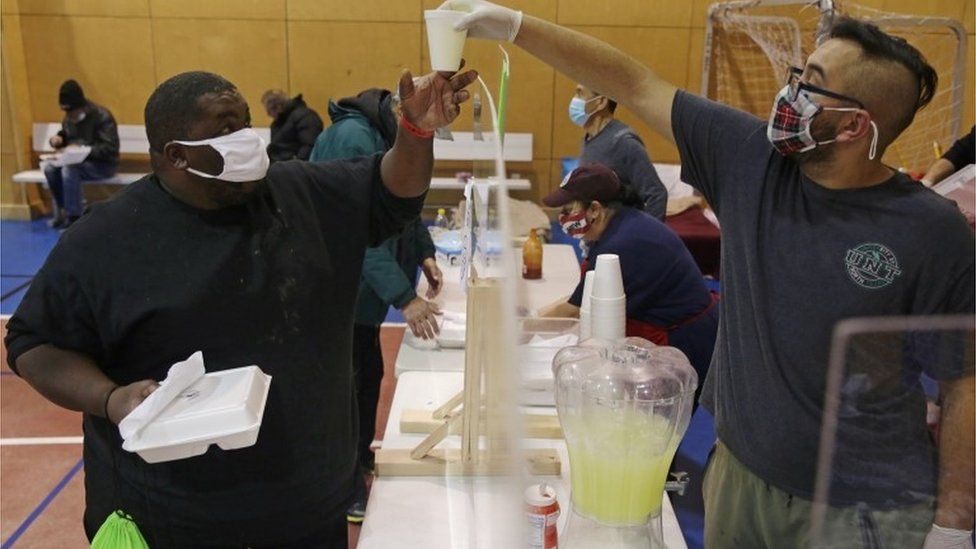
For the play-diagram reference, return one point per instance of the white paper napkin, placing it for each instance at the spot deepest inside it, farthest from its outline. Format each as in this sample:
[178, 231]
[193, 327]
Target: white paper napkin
[180, 376]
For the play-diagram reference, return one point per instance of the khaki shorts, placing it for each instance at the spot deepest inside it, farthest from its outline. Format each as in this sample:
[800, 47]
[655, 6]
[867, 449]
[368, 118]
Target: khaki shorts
[744, 511]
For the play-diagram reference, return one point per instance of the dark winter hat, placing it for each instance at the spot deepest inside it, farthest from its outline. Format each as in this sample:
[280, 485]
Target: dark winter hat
[586, 183]
[71, 96]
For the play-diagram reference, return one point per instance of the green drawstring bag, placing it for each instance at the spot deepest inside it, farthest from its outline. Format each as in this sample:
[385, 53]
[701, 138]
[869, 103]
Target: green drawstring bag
[119, 531]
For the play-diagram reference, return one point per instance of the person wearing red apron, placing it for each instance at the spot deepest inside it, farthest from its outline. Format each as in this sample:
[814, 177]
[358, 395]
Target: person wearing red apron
[667, 300]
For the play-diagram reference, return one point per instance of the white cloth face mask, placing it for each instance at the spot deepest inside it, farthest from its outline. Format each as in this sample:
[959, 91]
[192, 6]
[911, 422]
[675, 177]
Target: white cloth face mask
[244, 152]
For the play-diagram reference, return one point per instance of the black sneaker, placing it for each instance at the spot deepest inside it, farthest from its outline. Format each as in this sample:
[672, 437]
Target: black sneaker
[57, 222]
[356, 512]
[69, 221]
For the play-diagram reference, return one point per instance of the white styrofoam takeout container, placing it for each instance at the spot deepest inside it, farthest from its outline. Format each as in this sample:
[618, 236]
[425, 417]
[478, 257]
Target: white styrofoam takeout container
[223, 408]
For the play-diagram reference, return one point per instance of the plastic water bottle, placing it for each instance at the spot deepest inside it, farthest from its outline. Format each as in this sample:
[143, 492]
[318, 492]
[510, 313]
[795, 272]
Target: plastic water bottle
[440, 222]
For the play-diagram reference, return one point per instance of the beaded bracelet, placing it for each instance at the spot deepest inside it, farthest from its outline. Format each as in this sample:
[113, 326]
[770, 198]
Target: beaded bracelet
[108, 396]
[407, 125]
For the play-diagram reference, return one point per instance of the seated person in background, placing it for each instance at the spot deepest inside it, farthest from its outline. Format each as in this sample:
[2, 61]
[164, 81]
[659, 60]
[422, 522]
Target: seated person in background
[962, 153]
[361, 126]
[667, 300]
[294, 126]
[614, 144]
[85, 123]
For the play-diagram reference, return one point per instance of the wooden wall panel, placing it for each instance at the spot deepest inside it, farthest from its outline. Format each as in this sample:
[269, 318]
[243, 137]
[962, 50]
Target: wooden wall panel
[335, 60]
[546, 9]
[251, 54]
[219, 9]
[355, 10]
[555, 176]
[626, 13]
[529, 91]
[696, 49]
[17, 113]
[6, 120]
[121, 49]
[970, 84]
[955, 9]
[114, 68]
[107, 8]
[541, 175]
[656, 48]
[9, 193]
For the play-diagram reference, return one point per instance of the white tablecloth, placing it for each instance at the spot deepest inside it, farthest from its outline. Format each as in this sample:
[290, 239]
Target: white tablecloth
[560, 275]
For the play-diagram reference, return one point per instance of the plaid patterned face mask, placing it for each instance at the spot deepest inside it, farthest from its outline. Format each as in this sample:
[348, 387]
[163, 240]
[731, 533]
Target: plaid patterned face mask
[789, 123]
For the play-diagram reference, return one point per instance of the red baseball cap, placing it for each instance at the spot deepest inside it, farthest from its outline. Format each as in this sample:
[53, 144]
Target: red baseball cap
[586, 183]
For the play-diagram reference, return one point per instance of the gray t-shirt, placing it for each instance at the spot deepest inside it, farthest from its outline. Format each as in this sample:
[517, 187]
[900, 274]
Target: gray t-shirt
[620, 149]
[797, 258]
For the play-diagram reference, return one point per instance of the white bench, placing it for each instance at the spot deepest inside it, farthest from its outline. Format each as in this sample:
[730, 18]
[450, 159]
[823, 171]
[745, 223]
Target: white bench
[133, 140]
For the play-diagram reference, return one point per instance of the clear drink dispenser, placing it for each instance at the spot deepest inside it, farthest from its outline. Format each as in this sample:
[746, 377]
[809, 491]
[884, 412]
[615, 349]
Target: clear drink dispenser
[624, 407]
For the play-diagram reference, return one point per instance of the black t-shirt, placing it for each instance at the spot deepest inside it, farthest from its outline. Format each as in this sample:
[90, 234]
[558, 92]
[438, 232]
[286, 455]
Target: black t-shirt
[797, 258]
[144, 280]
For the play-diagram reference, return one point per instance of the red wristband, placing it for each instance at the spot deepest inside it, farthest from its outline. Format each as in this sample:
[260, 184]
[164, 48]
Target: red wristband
[414, 129]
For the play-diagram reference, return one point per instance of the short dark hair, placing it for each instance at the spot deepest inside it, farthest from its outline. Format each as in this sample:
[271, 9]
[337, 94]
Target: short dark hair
[628, 197]
[611, 104]
[172, 107]
[879, 45]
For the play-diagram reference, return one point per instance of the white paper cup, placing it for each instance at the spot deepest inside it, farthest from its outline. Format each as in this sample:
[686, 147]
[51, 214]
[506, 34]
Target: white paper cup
[610, 329]
[604, 301]
[608, 282]
[444, 43]
[585, 326]
[608, 317]
[609, 313]
[587, 290]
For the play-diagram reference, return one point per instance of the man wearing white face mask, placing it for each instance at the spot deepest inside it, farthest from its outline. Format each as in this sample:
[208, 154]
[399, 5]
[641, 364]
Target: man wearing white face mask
[215, 251]
[614, 144]
[815, 229]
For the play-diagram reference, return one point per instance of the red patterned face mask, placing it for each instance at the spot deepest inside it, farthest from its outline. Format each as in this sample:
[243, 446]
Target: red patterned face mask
[793, 112]
[575, 224]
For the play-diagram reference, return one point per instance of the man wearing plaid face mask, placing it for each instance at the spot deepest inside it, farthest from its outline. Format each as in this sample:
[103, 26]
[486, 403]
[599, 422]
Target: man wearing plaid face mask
[815, 229]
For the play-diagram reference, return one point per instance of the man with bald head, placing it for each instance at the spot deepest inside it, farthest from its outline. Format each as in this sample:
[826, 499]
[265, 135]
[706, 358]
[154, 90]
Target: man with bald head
[218, 252]
[815, 229]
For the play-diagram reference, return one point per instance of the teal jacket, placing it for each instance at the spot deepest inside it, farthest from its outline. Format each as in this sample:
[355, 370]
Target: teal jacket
[390, 269]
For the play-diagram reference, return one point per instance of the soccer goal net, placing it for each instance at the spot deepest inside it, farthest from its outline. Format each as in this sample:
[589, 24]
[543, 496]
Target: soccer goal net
[749, 45]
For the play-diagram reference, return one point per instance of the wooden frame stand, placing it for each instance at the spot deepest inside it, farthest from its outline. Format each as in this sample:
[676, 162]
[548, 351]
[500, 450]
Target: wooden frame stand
[479, 411]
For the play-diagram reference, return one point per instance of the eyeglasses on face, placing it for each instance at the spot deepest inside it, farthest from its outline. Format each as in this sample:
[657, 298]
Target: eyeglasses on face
[796, 85]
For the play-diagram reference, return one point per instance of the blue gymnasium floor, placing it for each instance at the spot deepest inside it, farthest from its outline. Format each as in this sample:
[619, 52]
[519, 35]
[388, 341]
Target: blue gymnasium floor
[25, 244]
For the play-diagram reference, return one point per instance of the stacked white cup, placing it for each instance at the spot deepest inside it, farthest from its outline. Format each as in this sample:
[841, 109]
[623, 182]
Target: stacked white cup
[585, 324]
[608, 304]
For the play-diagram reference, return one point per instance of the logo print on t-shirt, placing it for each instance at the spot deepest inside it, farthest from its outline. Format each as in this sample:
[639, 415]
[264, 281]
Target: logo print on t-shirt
[872, 265]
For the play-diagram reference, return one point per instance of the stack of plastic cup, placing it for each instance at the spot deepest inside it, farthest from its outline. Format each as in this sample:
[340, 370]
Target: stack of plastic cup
[585, 325]
[608, 304]
[445, 44]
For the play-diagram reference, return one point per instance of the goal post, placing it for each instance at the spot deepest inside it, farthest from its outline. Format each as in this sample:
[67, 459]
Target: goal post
[750, 43]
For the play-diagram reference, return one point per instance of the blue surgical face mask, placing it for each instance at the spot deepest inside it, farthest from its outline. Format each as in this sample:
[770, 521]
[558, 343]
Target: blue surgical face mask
[577, 110]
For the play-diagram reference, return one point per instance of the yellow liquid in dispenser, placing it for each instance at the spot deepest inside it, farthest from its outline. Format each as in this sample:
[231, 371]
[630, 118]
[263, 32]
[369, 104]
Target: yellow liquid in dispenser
[618, 465]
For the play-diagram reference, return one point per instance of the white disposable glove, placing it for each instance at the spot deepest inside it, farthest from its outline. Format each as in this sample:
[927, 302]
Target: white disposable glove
[486, 20]
[948, 538]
